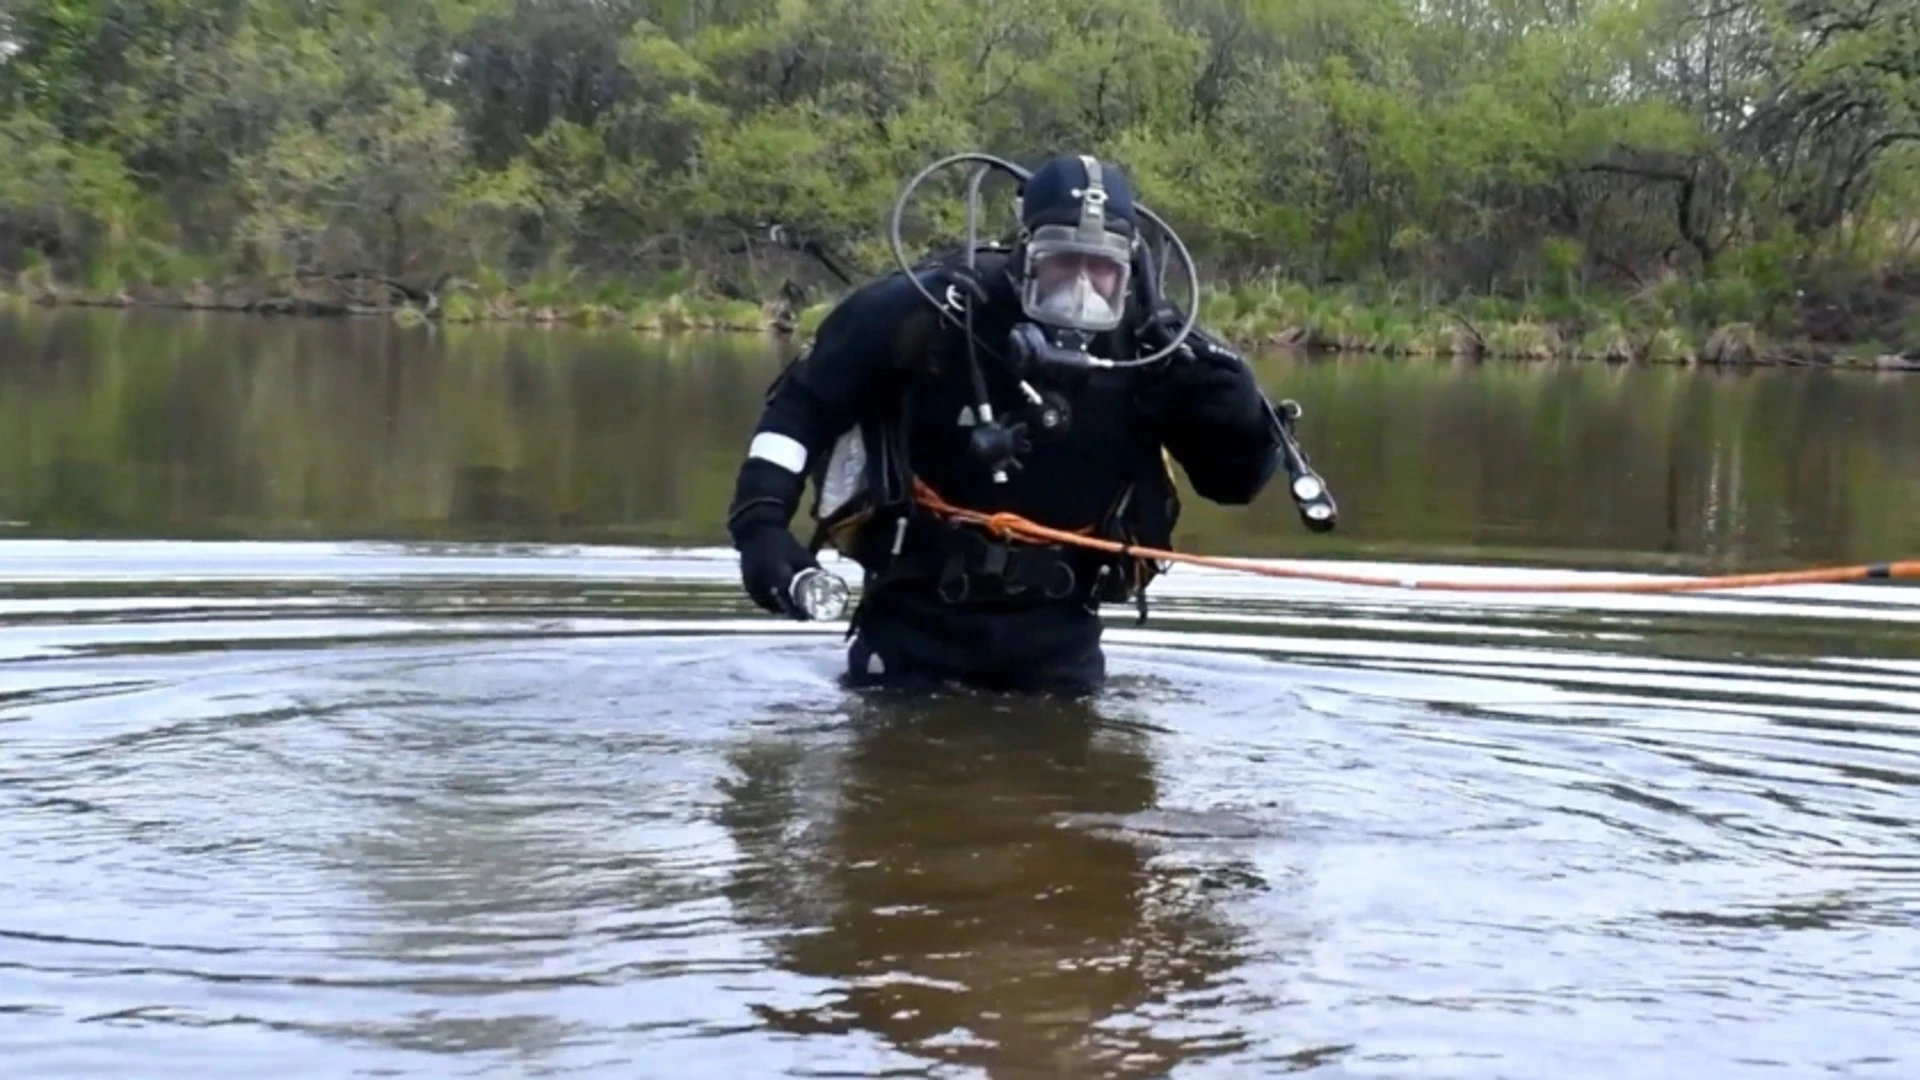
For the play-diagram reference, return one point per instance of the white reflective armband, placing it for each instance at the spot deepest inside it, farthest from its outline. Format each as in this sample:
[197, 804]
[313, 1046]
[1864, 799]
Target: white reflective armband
[782, 450]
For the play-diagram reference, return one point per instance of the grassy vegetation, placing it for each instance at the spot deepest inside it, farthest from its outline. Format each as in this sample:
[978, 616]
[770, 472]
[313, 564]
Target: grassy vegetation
[1678, 322]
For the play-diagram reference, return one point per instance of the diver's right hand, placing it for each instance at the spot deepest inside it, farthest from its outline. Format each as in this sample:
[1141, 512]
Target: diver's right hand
[769, 557]
[958, 287]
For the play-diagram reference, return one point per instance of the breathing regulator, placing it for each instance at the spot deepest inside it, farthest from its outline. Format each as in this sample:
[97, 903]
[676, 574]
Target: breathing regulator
[1063, 346]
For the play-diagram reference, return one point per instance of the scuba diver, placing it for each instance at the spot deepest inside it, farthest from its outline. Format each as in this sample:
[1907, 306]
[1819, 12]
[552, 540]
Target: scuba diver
[1091, 383]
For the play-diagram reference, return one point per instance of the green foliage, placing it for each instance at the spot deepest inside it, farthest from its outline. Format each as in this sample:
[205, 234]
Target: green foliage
[60, 193]
[367, 188]
[1483, 154]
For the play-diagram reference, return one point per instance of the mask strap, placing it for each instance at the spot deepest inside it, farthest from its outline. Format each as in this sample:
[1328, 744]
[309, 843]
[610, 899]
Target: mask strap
[1093, 203]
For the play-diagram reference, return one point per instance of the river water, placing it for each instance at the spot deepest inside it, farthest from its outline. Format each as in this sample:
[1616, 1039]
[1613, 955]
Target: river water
[379, 702]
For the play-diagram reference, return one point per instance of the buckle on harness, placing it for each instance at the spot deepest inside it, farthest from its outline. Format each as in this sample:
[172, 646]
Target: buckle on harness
[994, 560]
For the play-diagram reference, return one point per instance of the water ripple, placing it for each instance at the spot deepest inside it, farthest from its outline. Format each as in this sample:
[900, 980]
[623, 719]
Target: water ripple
[326, 810]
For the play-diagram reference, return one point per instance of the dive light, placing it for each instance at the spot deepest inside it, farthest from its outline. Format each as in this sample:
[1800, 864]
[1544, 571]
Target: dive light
[1310, 494]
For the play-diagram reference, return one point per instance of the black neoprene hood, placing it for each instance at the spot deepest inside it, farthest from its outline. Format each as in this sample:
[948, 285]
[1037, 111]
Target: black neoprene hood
[1051, 196]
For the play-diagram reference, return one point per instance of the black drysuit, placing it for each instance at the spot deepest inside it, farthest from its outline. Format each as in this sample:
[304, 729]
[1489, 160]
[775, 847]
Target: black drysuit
[885, 346]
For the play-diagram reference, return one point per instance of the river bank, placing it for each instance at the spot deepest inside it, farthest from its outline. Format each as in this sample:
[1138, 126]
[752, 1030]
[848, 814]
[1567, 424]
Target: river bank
[1663, 325]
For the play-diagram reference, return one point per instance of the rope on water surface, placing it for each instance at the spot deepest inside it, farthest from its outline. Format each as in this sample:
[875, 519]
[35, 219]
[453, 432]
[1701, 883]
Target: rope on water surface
[1015, 527]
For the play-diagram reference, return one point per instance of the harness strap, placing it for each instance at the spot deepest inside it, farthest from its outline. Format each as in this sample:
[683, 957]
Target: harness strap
[972, 556]
[978, 567]
[1009, 529]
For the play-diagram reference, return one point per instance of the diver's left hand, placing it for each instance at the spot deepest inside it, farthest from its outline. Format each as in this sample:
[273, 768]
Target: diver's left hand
[1204, 381]
[1159, 328]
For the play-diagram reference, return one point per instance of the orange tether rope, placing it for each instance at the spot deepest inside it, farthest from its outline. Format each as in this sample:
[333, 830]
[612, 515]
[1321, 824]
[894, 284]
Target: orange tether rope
[1015, 527]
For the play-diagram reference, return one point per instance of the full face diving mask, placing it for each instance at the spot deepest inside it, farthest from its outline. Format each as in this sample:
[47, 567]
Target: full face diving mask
[1075, 285]
[1076, 276]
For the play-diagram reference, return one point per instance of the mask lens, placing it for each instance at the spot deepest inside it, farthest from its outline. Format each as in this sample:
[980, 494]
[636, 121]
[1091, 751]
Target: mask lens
[1078, 288]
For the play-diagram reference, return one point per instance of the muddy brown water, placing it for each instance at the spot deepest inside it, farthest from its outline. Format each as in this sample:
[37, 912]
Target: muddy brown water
[380, 702]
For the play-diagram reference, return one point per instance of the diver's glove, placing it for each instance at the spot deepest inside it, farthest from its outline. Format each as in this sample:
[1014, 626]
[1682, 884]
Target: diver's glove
[957, 286]
[1155, 330]
[769, 558]
[765, 497]
[1204, 382]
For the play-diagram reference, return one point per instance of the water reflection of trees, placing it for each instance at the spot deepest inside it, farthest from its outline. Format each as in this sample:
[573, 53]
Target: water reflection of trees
[160, 423]
[201, 424]
[933, 874]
